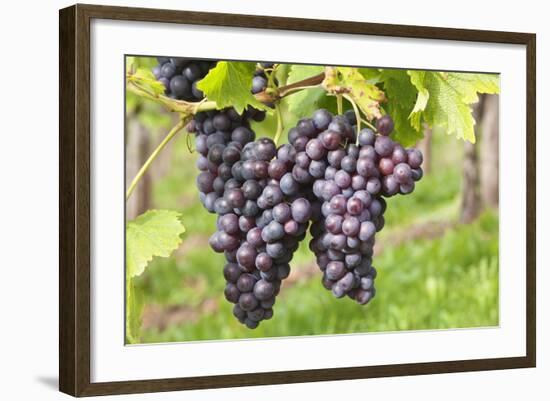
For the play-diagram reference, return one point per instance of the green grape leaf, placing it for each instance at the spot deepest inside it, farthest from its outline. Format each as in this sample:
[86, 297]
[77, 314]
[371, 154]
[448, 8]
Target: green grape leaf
[401, 94]
[305, 102]
[350, 82]
[154, 233]
[417, 77]
[147, 80]
[134, 308]
[228, 84]
[445, 99]
[372, 75]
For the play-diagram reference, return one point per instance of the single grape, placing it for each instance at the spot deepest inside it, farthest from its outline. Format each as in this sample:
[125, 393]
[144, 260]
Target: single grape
[384, 125]
[386, 166]
[415, 158]
[301, 210]
[245, 282]
[246, 256]
[263, 290]
[366, 137]
[247, 301]
[259, 83]
[402, 173]
[321, 119]
[180, 86]
[383, 146]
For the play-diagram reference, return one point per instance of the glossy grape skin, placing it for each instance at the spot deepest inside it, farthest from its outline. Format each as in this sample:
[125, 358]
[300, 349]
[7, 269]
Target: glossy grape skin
[259, 83]
[231, 272]
[415, 158]
[342, 179]
[265, 149]
[417, 174]
[373, 186]
[354, 206]
[263, 290]
[366, 137]
[335, 270]
[251, 189]
[168, 70]
[247, 302]
[338, 204]
[301, 210]
[232, 293]
[263, 262]
[273, 195]
[390, 186]
[366, 231]
[245, 282]
[272, 232]
[306, 127]
[242, 135]
[282, 213]
[321, 119]
[180, 86]
[384, 125]
[276, 169]
[383, 146]
[246, 256]
[330, 140]
[402, 173]
[291, 227]
[315, 149]
[399, 155]
[229, 223]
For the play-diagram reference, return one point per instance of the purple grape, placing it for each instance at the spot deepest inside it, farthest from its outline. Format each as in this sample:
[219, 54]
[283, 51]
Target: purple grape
[402, 173]
[245, 282]
[415, 158]
[321, 119]
[383, 146]
[384, 125]
[386, 166]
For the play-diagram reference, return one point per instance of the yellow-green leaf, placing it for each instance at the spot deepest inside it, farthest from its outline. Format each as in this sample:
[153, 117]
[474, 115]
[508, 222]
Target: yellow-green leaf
[445, 98]
[401, 95]
[154, 233]
[349, 81]
[134, 308]
[229, 83]
[146, 79]
[305, 102]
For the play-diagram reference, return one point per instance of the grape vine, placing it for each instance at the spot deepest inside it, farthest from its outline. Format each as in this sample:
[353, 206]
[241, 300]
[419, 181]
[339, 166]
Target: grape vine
[331, 176]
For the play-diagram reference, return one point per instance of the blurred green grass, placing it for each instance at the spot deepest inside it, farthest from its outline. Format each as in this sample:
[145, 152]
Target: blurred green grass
[433, 272]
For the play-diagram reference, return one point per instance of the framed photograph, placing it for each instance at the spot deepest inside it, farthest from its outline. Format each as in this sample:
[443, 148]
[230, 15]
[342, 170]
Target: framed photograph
[249, 200]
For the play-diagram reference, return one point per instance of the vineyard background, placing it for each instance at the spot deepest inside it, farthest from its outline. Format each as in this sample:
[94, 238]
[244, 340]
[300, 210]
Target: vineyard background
[437, 257]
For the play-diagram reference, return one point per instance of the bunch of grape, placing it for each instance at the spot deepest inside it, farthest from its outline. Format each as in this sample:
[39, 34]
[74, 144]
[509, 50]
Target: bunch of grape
[215, 130]
[181, 75]
[220, 137]
[349, 180]
[258, 230]
[265, 197]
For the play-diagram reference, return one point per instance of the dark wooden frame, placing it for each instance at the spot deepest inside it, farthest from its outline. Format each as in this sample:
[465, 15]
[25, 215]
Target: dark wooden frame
[74, 199]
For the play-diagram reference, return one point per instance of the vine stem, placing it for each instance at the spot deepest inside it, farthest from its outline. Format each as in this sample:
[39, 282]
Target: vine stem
[371, 126]
[183, 107]
[299, 88]
[153, 156]
[307, 82]
[339, 104]
[179, 106]
[280, 125]
[357, 116]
